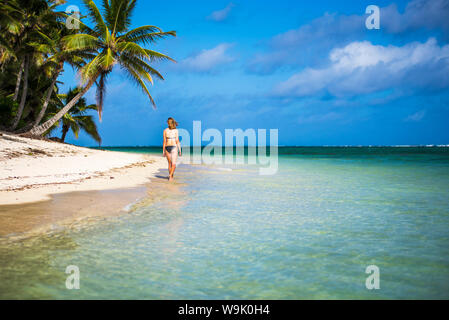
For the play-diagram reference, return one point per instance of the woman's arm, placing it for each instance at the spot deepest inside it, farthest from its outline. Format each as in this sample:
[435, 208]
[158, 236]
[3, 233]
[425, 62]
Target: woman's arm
[163, 146]
[177, 142]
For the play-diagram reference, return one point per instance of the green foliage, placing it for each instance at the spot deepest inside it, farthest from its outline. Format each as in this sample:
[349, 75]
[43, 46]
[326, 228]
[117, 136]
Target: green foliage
[8, 108]
[34, 31]
[76, 119]
[114, 44]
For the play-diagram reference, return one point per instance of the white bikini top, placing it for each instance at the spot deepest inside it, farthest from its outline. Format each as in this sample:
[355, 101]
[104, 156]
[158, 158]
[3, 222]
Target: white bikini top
[171, 134]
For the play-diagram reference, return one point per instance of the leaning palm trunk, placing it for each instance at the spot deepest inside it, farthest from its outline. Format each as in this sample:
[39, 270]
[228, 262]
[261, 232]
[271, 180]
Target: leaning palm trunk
[39, 130]
[47, 97]
[24, 95]
[19, 78]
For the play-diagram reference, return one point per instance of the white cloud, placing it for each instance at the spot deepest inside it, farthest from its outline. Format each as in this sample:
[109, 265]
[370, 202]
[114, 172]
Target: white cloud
[311, 42]
[307, 43]
[361, 67]
[416, 117]
[221, 15]
[429, 14]
[207, 60]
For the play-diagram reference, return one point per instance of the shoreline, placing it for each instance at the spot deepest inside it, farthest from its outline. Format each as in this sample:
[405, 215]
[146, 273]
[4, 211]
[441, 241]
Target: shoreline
[70, 182]
[32, 170]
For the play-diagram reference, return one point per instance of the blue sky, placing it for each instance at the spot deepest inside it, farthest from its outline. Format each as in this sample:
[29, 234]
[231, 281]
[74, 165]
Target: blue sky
[312, 70]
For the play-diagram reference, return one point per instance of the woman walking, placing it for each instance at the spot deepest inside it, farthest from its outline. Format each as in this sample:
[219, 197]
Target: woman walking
[171, 146]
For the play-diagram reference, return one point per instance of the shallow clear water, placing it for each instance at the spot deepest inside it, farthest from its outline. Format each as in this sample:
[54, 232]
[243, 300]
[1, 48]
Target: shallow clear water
[309, 231]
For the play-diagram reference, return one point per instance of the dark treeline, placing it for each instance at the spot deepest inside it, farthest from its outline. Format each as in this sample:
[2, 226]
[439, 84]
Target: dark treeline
[38, 40]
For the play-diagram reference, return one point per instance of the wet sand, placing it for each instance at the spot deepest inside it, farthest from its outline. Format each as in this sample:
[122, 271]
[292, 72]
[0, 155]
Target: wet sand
[46, 185]
[64, 210]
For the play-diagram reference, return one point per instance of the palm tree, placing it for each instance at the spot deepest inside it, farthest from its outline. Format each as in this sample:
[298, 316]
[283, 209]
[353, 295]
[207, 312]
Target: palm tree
[76, 119]
[113, 44]
[36, 16]
[10, 14]
[55, 62]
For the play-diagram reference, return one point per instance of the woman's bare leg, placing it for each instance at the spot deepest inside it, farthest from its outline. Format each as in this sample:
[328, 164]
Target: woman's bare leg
[169, 160]
[173, 158]
[167, 156]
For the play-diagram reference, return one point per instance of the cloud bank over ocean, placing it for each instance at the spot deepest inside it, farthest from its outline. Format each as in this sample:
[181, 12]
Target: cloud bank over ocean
[361, 67]
[313, 71]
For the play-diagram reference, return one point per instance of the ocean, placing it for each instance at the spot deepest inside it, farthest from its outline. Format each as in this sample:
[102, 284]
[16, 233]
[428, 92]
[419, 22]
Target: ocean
[310, 231]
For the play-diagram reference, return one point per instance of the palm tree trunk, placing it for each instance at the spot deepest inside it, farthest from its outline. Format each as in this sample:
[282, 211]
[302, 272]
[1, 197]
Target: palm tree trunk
[24, 95]
[39, 130]
[19, 78]
[48, 96]
[65, 129]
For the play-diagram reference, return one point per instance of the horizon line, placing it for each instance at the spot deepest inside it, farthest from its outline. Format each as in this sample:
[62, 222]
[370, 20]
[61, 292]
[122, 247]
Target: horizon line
[296, 146]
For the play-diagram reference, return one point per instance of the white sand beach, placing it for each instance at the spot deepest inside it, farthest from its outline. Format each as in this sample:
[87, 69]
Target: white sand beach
[31, 170]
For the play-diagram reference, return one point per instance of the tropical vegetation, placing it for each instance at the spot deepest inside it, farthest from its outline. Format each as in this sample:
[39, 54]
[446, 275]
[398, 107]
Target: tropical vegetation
[76, 119]
[37, 43]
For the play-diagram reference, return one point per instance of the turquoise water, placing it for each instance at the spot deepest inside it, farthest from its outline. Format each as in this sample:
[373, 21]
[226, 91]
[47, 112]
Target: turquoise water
[308, 232]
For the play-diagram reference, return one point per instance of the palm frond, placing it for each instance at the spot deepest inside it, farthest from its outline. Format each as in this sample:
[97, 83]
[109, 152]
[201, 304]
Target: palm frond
[118, 14]
[74, 125]
[101, 92]
[107, 59]
[79, 42]
[83, 28]
[135, 77]
[91, 70]
[157, 56]
[132, 49]
[88, 124]
[137, 67]
[94, 13]
[144, 65]
[146, 35]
